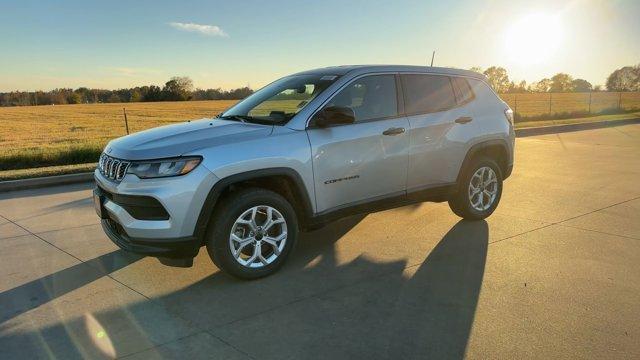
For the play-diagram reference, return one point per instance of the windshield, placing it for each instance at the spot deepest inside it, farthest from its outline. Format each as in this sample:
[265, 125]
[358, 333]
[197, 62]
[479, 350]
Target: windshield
[279, 101]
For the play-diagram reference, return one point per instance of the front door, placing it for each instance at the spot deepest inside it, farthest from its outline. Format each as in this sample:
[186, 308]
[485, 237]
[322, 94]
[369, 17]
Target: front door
[366, 160]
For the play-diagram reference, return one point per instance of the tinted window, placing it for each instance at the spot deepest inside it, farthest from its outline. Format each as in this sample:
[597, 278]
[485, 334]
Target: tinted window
[462, 90]
[427, 93]
[370, 97]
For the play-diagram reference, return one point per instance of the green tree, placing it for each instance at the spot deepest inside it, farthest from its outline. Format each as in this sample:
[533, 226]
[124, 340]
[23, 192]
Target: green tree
[520, 87]
[561, 82]
[74, 98]
[624, 79]
[178, 88]
[114, 98]
[581, 85]
[151, 93]
[498, 78]
[543, 85]
[136, 96]
[84, 93]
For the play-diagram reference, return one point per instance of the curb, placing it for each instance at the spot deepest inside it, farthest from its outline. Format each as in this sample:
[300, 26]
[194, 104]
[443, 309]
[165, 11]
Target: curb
[23, 184]
[556, 129]
[34, 183]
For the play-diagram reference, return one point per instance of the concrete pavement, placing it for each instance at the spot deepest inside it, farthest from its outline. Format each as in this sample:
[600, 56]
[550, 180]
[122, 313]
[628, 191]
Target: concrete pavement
[554, 273]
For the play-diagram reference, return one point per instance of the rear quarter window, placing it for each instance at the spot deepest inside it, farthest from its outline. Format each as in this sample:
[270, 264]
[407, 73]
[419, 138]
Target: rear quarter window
[483, 92]
[486, 100]
[463, 91]
[427, 93]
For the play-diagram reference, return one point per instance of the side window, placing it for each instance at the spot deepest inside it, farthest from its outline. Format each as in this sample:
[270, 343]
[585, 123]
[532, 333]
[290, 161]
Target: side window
[427, 93]
[370, 97]
[463, 91]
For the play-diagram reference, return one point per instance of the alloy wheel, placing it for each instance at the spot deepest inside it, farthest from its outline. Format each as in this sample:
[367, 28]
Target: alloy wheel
[258, 236]
[483, 188]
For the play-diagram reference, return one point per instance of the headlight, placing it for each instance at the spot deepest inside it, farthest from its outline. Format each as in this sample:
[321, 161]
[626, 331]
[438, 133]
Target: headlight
[163, 168]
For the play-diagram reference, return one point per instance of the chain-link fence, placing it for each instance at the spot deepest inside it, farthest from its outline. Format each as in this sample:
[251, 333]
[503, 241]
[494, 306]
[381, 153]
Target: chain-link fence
[556, 105]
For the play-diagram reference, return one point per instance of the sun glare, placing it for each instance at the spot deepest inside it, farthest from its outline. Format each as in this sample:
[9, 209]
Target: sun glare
[533, 39]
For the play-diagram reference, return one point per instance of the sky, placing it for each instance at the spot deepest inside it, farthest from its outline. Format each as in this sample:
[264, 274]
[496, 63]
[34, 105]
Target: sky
[227, 44]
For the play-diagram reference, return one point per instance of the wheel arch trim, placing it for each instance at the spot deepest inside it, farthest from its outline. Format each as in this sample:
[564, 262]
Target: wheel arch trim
[210, 202]
[480, 147]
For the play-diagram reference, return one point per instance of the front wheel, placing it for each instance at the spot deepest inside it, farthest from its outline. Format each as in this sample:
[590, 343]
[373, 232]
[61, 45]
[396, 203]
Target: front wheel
[252, 233]
[479, 190]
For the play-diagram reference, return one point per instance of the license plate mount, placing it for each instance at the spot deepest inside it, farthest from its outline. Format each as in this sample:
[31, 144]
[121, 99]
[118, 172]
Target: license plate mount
[98, 204]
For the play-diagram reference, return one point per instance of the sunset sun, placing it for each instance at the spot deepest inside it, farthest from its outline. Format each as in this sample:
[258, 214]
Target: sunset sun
[533, 39]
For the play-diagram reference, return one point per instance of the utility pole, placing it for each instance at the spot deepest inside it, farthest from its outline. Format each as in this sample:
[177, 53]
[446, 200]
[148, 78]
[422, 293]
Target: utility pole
[433, 55]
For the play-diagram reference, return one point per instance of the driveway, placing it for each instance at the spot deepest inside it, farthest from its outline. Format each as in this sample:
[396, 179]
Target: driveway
[553, 273]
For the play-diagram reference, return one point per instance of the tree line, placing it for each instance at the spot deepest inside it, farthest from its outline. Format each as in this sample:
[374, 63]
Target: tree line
[176, 89]
[181, 89]
[624, 79]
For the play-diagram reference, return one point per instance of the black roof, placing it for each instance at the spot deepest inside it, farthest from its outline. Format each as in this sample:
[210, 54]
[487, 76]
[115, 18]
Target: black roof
[331, 70]
[344, 69]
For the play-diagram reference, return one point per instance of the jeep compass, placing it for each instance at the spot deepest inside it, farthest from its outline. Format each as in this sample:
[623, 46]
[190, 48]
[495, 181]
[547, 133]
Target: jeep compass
[302, 151]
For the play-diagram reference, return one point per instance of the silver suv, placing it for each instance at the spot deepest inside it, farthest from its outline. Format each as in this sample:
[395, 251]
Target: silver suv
[305, 150]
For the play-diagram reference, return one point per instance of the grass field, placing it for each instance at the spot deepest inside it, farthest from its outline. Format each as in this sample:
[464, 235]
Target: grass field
[75, 168]
[549, 105]
[71, 134]
[35, 136]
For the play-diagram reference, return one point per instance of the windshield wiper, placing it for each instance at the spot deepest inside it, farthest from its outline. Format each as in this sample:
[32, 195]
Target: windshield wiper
[242, 118]
[247, 118]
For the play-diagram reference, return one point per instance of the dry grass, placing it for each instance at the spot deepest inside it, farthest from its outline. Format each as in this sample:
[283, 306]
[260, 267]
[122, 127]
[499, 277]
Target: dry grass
[35, 136]
[46, 171]
[578, 120]
[65, 134]
[532, 105]
[71, 169]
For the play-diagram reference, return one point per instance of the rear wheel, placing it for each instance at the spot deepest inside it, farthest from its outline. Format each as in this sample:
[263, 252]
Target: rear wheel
[479, 190]
[252, 233]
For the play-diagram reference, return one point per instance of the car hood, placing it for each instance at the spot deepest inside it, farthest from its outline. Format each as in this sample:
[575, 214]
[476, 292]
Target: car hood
[179, 139]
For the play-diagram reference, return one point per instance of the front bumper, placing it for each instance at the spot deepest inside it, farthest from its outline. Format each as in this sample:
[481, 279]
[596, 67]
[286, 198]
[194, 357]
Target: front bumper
[155, 217]
[178, 248]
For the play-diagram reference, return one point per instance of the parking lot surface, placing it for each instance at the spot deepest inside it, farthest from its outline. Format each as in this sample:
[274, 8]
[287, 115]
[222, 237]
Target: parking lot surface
[553, 273]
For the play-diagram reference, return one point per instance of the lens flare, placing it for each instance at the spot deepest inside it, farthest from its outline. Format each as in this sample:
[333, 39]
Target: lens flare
[99, 336]
[534, 39]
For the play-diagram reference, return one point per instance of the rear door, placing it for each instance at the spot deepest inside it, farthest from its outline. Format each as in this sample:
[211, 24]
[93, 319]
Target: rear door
[437, 120]
[363, 161]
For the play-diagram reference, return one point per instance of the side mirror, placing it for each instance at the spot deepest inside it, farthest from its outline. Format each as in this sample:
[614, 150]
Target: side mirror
[334, 115]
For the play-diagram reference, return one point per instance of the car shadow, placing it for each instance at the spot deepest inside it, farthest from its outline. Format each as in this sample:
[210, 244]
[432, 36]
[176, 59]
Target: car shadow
[435, 310]
[318, 306]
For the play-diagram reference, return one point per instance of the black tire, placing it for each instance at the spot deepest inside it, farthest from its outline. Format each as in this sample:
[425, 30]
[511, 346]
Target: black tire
[224, 217]
[460, 202]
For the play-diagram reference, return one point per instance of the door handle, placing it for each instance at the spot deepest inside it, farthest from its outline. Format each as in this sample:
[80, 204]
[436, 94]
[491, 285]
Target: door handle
[393, 131]
[464, 119]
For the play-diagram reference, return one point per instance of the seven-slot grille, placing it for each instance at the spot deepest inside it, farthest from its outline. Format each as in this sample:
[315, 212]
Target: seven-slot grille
[112, 168]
